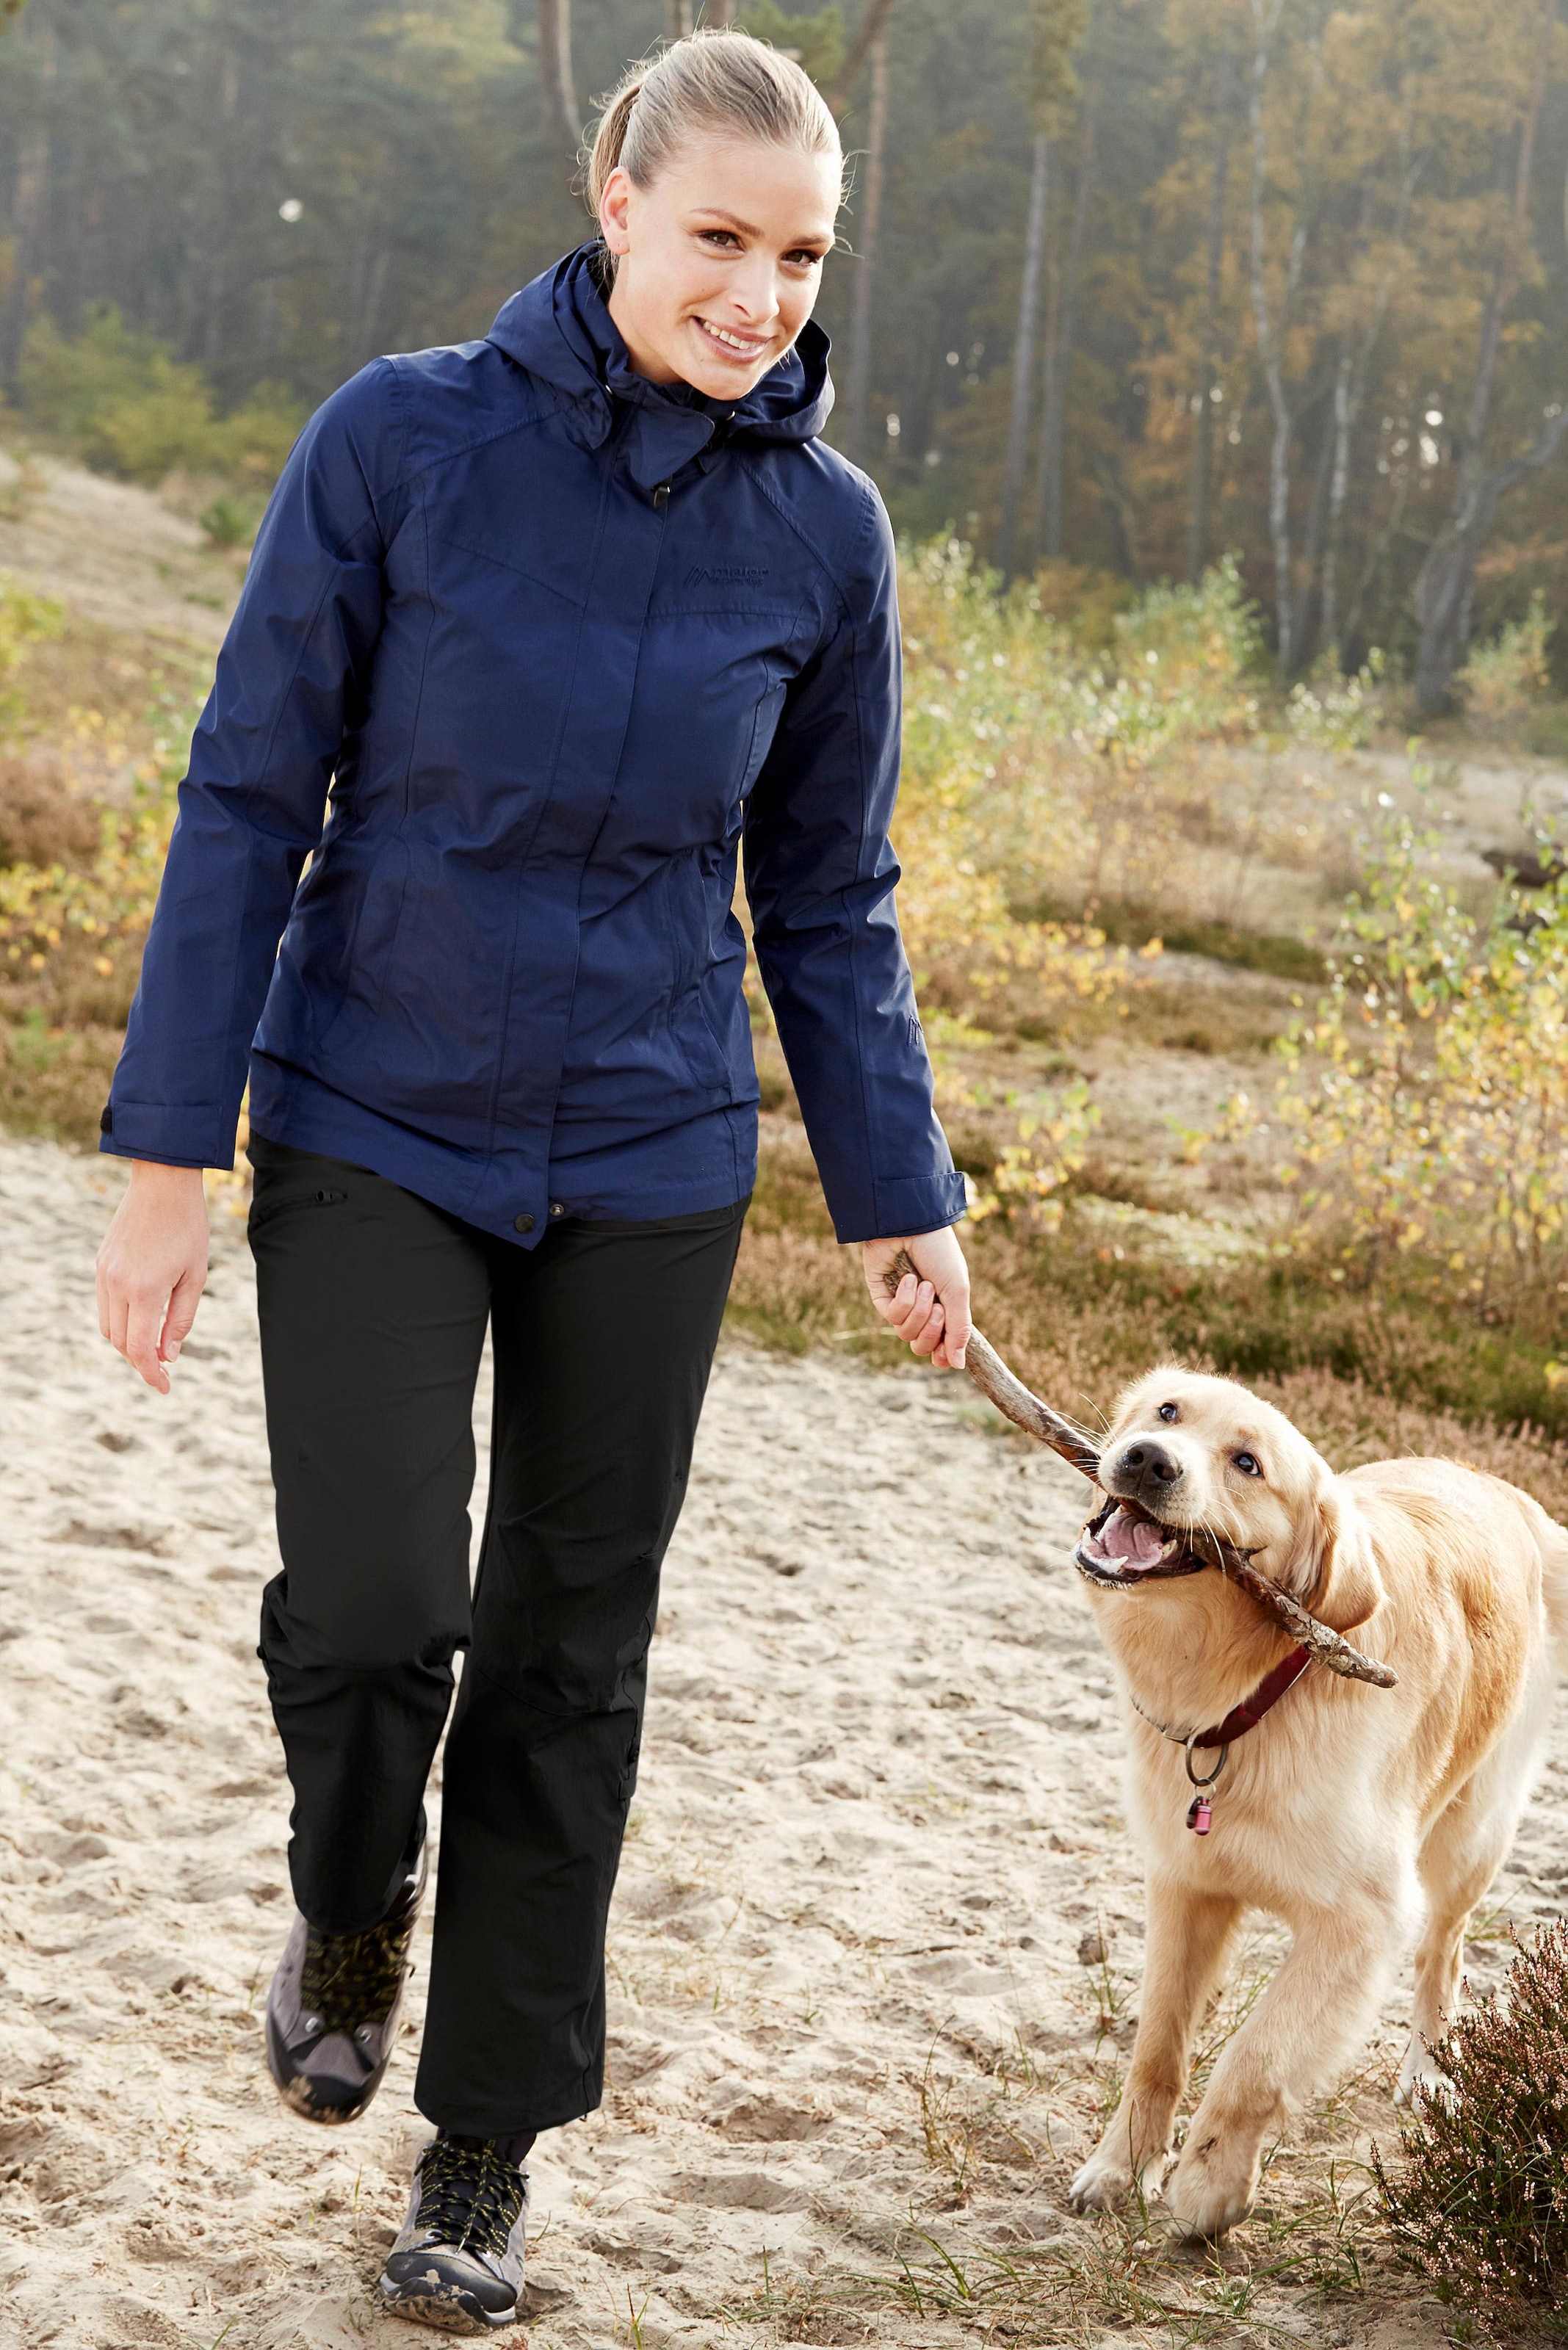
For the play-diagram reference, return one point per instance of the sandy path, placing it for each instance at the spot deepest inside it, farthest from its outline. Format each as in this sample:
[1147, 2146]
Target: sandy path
[876, 1819]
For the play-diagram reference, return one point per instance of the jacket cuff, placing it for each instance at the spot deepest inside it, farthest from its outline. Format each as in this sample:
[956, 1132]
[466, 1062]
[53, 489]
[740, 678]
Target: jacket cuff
[171, 1136]
[899, 1210]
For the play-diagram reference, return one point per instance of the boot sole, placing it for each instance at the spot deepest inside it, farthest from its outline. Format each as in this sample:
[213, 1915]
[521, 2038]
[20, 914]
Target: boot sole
[451, 2313]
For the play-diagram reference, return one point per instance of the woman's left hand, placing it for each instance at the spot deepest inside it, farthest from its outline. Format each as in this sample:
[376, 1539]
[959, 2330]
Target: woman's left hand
[929, 1308]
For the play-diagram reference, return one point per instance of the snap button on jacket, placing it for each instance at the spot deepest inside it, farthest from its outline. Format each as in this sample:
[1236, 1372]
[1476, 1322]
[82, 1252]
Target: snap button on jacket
[545, 645]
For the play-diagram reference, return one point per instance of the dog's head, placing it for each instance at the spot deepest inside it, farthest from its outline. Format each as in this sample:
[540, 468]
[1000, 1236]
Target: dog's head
[1188, 1454]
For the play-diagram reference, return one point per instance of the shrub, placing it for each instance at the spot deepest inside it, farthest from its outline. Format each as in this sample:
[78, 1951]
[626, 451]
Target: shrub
[43, 820]
[1480, 2202]
[1499, 682]
[229, 520]
[25, 619]
[128, 406]
[1429, 1097]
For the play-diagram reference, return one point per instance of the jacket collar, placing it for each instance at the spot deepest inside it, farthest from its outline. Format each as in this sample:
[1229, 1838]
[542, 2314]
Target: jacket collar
[559, 328]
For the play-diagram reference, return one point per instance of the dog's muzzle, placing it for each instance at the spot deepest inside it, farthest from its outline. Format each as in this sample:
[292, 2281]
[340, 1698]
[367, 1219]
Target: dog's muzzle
[1125, 1546]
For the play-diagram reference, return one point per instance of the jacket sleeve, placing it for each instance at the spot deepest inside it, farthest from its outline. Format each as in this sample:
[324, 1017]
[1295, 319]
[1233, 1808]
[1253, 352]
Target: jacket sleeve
[290, 681]
[820, 877]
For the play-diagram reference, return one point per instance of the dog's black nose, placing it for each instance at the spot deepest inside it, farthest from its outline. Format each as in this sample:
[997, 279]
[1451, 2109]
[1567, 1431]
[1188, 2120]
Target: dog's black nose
[1149, 1462]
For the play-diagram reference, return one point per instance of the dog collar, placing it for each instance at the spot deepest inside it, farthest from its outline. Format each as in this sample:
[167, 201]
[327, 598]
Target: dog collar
[1236, 1724]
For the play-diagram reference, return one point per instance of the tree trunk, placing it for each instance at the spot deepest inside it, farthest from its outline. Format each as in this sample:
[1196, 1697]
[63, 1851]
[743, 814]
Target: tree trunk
[1047, 409]
[868, 32]
[29, 211]
[557, 91]
[1339, 479]
[1271, 345]
[860, 389]
[1023, 354]
[1447, 577]
[721, 13]
[1054, 431]
[677, 19]
[1208, 355]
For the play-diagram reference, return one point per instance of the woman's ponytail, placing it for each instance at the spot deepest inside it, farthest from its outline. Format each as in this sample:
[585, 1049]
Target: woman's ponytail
[609, 137]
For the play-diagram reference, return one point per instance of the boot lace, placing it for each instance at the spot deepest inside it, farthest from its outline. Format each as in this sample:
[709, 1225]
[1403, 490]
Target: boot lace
[469, 2195]
[349, 1980]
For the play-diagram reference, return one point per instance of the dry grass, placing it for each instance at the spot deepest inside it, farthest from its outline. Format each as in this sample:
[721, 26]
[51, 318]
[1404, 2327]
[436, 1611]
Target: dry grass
[1364, 1376]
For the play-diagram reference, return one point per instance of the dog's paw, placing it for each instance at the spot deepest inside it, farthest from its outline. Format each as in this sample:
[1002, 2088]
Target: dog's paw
[1108, 2180]
[1211, 2189]
[1104, 2184]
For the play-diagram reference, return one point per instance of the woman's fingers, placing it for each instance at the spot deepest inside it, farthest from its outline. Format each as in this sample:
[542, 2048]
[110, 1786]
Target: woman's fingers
[181, 1313]
[143, 1329]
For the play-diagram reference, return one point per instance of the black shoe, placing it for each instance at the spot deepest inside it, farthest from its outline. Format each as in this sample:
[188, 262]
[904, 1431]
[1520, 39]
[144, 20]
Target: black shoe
[458, 2261]
[333, 2007]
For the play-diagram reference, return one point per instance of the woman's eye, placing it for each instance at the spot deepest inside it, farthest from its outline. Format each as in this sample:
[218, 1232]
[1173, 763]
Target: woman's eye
[724, 236]
[803, 260]
[1168, 1411]
[1247, 1465]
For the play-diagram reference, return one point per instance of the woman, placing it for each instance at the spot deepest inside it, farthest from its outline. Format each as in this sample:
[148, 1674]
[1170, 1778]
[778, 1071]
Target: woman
[547, 624]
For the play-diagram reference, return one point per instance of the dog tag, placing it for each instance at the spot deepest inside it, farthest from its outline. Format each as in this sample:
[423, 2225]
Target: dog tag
[1199, 1812]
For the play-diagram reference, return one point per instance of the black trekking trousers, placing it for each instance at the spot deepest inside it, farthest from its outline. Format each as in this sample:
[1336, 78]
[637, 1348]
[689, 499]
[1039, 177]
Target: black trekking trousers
[374, 1307]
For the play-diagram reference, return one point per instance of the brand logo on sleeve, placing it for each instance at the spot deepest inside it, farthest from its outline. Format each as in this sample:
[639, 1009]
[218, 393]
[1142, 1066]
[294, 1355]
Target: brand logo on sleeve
[725, 574]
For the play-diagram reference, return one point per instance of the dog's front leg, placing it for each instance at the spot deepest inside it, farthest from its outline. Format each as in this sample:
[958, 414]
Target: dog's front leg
[1305, 2022]
[1188, 1935]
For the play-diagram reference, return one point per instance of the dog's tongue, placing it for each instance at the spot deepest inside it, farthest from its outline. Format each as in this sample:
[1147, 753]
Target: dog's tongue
[1133, 1542]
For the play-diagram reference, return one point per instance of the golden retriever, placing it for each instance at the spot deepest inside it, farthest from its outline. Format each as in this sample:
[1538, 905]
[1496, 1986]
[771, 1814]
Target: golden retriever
[1367, 1819]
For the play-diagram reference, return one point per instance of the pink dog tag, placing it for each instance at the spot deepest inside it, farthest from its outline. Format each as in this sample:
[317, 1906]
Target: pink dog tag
[1199, 1812]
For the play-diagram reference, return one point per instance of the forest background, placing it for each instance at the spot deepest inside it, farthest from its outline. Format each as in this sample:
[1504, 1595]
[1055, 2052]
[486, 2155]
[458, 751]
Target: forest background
[1134, 283]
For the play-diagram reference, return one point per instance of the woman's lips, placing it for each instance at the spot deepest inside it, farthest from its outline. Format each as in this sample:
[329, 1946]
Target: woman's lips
[737, 348]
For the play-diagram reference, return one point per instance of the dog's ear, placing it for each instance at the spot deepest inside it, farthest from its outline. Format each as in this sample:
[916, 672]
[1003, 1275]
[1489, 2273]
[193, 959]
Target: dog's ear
[1344, 1586]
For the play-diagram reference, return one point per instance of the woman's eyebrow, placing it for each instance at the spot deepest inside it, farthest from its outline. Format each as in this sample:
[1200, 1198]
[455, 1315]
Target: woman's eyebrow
[749, 228]
[731, 220]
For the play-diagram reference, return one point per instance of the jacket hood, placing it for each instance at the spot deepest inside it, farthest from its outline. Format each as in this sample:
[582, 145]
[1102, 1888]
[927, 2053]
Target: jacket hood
[559, 328]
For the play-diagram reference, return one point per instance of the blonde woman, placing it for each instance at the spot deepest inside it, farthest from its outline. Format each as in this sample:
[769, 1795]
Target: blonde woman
[547, 626]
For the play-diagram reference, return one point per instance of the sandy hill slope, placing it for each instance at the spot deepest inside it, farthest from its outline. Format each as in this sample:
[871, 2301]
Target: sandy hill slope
[114, 553]
[856, 2017]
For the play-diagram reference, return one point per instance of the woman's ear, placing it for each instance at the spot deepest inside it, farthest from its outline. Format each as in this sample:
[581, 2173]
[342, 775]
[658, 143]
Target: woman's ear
[615, 206]
[1346, 1586]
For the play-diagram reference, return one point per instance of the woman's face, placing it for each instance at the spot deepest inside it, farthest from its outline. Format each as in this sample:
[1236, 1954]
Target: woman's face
[719, 262]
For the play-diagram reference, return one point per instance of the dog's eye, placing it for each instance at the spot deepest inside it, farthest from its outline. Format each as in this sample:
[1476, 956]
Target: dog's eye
[1168, 1411]
[1247, 1465]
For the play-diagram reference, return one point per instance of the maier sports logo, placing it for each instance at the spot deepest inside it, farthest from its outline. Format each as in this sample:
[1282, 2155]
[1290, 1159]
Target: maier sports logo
[725, 574]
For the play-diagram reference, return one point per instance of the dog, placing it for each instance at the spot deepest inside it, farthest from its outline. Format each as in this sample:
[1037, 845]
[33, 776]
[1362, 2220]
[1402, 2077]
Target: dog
[1367, 1819]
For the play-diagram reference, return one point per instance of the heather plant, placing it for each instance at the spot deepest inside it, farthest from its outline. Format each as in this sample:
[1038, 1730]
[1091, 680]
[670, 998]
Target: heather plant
[1478, 2199]
[71, 934]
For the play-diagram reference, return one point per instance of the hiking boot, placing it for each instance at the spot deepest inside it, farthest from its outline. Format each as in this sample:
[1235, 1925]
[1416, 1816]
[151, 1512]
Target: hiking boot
[333, 2007]
[458, 2263]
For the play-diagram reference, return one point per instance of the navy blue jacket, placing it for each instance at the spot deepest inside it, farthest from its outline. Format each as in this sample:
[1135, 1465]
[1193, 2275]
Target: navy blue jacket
[545, 641]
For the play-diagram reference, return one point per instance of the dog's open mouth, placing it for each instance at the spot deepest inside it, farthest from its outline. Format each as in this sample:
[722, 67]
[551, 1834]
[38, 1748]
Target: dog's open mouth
[1124, 1546]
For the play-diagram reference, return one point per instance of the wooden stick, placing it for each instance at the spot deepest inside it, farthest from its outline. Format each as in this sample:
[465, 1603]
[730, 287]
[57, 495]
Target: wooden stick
[1017, 1403]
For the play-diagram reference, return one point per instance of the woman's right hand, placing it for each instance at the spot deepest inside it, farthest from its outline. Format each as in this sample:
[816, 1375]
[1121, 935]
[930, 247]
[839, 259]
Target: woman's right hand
[152, 1267]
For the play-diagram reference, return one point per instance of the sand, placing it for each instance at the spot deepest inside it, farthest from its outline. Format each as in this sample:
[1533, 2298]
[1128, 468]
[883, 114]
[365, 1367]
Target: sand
[876, 1837]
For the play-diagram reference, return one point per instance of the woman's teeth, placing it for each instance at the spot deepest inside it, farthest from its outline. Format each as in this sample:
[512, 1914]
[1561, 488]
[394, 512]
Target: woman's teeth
[746, 350]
